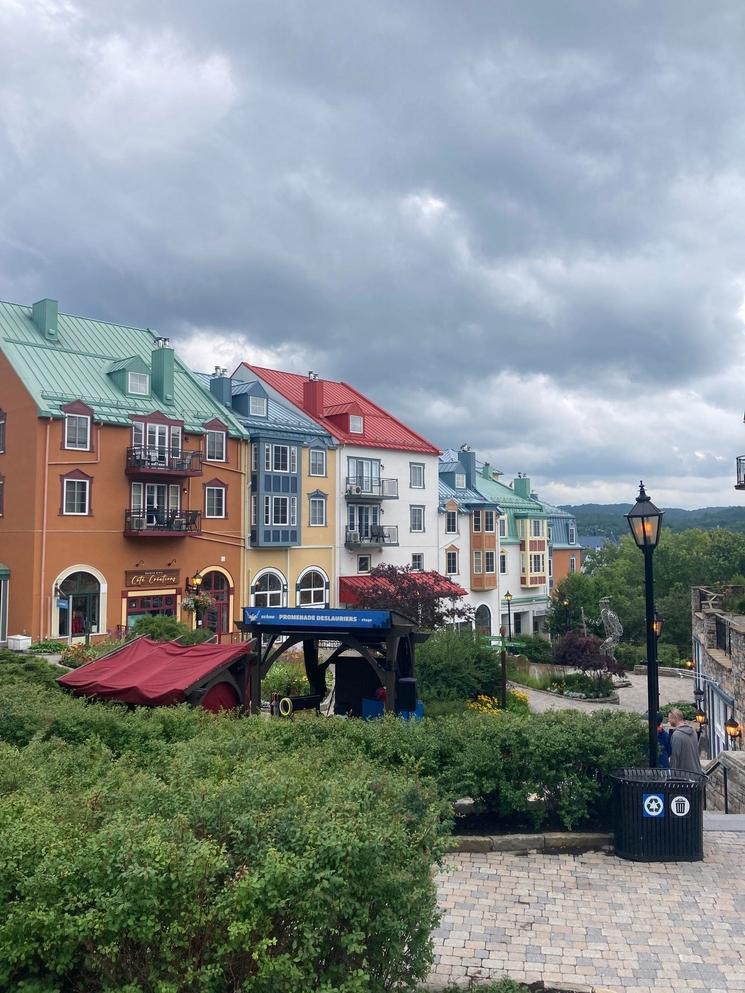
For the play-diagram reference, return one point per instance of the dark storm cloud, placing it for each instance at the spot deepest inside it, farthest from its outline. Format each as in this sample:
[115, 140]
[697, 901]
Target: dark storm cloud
[478, 194]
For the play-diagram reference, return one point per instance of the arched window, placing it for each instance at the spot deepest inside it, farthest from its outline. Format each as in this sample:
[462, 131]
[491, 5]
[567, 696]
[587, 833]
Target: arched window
[79, 605]
[311, 590]
[483, 619]
[268, 590]
[216, 617]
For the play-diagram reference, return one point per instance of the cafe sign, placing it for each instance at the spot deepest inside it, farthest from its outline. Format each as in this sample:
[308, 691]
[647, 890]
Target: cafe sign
[152, 579]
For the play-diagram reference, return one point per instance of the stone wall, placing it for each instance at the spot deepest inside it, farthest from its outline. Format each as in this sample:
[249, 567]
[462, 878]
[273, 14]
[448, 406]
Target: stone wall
[725, 667]
[734, 765]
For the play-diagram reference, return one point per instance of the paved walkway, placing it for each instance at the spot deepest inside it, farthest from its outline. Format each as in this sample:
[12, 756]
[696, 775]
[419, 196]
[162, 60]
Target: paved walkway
[595, 920]
[634, 697]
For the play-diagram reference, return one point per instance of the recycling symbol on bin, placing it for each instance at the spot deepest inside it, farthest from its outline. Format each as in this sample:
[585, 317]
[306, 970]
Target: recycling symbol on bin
[654, 805]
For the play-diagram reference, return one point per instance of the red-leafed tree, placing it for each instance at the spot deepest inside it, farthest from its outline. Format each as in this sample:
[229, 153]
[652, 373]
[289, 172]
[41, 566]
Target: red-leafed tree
[577, 650]
[426, 597]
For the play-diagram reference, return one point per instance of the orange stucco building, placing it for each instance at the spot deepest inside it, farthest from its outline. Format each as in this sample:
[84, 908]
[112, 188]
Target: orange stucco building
[120, 478]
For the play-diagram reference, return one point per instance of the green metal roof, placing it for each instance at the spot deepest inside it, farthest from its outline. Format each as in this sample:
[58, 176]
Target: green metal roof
[77, 364]
[506, 497]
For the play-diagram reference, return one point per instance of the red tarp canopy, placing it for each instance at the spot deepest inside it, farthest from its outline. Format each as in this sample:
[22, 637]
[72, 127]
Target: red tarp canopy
[350, 587]
[151, 673]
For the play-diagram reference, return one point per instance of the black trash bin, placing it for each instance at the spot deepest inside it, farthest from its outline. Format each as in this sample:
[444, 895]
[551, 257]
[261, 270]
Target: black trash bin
[659, 815]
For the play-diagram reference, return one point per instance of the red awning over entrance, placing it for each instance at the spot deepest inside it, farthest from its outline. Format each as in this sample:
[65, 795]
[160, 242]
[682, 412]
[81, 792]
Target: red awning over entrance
[152, 673]
[350, 587]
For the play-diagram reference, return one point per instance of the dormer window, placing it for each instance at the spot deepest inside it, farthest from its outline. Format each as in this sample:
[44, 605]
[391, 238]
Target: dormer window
[356, 424]
[257, 406]
[77, 432]
[138, 384]
[460, 481]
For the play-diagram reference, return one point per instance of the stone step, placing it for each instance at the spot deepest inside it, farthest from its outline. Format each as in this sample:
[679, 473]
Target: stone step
[724, 822]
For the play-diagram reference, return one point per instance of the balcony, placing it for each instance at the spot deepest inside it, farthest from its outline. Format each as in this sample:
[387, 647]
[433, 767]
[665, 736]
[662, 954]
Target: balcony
[740, 484]
[144, 461]
[377, 536]
[161, 523]
[365, 489]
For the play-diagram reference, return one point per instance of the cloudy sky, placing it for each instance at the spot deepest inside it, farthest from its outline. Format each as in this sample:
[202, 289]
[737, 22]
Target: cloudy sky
[518, 225]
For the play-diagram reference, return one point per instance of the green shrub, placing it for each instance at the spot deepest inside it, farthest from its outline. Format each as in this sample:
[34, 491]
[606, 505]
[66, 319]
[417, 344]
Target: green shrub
[588, 686]
[285, 678]
[77, 655]
[456, 665]
[684, 706]
[159, 627]
[630, 655]
[49, 646]
[533, 647]
[196, 636]
[516, 674]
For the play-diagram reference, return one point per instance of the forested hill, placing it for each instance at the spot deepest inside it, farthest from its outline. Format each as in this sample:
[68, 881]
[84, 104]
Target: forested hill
[608, 518]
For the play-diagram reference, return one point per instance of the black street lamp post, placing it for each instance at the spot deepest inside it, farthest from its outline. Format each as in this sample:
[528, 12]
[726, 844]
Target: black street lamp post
[566, 616]
[193, 585]
[645, 521]
[508, 598]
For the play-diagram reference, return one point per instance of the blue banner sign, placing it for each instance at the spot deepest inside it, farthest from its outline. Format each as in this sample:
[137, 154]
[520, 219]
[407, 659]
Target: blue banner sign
[290, 618]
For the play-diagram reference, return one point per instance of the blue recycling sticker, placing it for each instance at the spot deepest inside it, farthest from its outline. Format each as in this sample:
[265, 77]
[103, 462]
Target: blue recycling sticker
[653, 805]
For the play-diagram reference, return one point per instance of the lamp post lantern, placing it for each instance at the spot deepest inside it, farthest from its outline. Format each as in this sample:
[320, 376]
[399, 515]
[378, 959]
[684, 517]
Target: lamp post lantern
[566, 616]
[508, 598]
[645, 521]
[193, 586]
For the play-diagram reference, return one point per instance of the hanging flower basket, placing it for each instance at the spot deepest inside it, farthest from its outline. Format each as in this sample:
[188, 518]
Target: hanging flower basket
[197, 601]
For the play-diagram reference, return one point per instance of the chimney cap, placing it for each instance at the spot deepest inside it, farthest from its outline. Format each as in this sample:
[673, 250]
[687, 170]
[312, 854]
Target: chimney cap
[162, 342]
[313, 376]
[220, 371]
[465, 447]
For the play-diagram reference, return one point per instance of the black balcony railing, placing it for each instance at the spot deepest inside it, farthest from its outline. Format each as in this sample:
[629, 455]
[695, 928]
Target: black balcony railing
[162, 523]
[157, 460]
[371, 488]
[740, 484]
[376, 536]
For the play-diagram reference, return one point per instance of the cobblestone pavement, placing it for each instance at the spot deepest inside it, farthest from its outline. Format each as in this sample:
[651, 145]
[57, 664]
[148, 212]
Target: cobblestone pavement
[632, 697]
[595, 920]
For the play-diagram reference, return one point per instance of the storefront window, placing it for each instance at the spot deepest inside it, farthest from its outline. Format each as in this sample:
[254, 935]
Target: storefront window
[79, 599]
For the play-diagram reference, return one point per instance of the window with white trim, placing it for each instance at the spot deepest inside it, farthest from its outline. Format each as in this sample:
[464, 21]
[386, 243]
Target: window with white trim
[317, 462]
[254, 509]
[550, 566]
[476, 520]
[536, 563]
[363, 563]
[572, 535]
[2, 430]
[356, 424]
[572, 563]
[254, 457]
[417, 561]
[416, 475]
[489, 521]
[76, 497]
[2, 496]
[77, 431]
[536, 528]
[451, 563]
[138, 384]
[502, 527]
[502, 564]
[451, 522]
[280, 511]
[214, 501]
[257, 406]
[477, 562]
[416, 518]
[268, 591]
[214, 446]
[460, 480]
[311, 590]
[318, 512]
[489, 562]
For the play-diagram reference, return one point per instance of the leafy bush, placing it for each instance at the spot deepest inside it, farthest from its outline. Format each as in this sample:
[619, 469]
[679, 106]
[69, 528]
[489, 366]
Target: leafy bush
[533, 647]
[517, 703]
[159, 627]
[687, 708]
[544, 681]
[456, 665]
[49, 646]
[77, 655]
[196, 636]
[579, 684]
[285, 678]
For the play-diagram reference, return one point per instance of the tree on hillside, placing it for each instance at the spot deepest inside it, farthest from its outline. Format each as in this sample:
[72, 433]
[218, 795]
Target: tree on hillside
[418, 595]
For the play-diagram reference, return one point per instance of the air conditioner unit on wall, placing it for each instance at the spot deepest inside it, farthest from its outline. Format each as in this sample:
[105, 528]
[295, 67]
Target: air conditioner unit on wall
[353, 537]
[138, 523]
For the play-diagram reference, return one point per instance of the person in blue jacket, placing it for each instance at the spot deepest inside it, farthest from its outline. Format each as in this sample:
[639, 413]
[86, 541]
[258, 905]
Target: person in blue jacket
[664, 747]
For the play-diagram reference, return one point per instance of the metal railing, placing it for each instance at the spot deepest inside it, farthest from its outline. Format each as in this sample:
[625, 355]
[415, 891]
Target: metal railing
[376, 536]
[160, 459]
[173, 522]
[369, 486]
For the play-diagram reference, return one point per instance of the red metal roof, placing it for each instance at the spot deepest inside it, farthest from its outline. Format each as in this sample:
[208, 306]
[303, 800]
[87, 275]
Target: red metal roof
[381, 429]
[151, 673]
[350, 587]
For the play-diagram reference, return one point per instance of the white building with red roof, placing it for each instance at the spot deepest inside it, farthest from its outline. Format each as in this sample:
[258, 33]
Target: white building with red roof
[387, 476]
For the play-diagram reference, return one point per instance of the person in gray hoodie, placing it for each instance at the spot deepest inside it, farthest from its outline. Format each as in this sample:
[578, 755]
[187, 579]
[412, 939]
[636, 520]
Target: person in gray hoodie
[683, 744]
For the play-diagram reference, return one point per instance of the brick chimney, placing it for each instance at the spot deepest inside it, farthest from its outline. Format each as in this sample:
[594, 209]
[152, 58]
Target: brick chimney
[313, 395]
